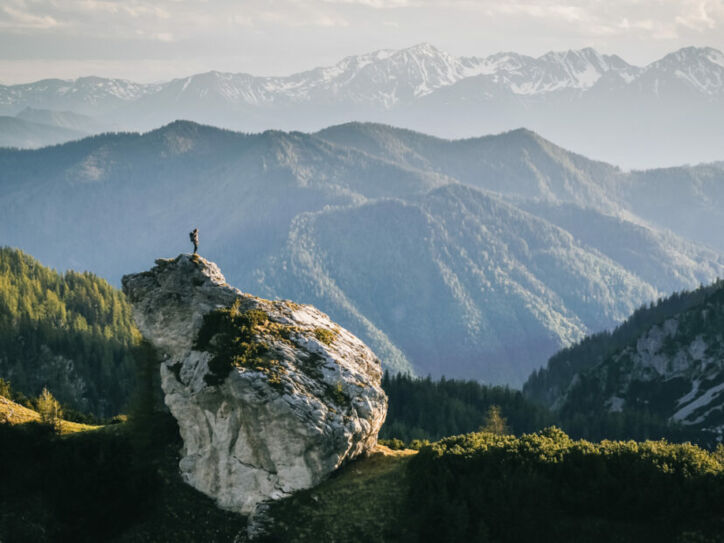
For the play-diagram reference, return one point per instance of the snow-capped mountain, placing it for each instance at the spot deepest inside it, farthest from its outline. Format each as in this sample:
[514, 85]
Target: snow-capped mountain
[554, 71]
[665, 113]
[384, 78]
[699, 69]
[93, 95]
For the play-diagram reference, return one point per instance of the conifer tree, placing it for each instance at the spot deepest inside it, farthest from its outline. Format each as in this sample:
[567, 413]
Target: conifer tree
[5, 389]
[49, 409]
[495, 423]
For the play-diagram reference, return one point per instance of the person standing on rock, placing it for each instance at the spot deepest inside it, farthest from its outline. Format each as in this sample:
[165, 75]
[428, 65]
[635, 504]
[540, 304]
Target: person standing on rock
[194, 237]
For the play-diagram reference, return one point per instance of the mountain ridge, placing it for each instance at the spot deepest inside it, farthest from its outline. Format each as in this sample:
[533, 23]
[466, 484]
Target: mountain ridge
[661, 114]
[487, 235]
[459, 67]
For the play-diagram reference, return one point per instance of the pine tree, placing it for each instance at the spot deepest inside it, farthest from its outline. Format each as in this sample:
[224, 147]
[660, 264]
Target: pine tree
[5, 389]
[49, 409]
[495, 423]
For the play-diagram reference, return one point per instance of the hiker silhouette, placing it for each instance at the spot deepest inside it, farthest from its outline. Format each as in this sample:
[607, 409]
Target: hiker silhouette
[194, 237]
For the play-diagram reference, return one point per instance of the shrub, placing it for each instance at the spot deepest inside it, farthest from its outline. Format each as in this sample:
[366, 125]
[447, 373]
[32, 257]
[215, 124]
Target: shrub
[546, 486]
[325, 336]
[394, 444]
[230, 334]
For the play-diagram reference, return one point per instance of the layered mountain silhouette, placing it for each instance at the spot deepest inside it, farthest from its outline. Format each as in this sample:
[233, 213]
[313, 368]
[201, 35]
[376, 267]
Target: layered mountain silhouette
[472, 258]
[666, 113]
[21, 133]
[33, 128]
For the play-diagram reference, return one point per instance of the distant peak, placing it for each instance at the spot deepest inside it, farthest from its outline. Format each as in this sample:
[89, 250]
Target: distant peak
[687, 54]
[423, 47]
[522, 132]
[585, 52]
[423, 50]
[693, 50]
[180, 123]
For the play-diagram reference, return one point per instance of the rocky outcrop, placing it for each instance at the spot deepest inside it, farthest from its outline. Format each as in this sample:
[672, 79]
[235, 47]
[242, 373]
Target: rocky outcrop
[270, 396]
[672, 369]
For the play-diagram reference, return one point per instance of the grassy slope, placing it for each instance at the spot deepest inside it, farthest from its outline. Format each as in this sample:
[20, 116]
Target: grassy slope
[14, 413]
[362, 502]
[180, 514]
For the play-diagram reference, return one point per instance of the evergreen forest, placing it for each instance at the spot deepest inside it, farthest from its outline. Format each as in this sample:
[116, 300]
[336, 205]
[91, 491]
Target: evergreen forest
[71, 332]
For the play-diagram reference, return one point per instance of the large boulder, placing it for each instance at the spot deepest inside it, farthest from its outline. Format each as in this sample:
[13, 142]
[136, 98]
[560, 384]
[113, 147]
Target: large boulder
[270, 396]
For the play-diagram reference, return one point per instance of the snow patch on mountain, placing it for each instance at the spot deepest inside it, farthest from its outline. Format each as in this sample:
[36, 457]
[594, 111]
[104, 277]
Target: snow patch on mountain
[675, 369]
[384, 78]
[701, 68]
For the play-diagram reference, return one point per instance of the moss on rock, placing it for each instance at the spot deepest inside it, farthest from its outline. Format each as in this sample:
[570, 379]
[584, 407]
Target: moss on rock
[232, 335]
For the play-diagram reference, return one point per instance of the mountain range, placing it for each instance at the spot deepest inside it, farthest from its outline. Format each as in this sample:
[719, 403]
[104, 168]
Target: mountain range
[668, 112]
[473, 258]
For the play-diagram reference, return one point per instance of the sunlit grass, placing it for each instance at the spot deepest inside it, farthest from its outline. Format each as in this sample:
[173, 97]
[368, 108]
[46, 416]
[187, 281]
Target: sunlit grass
[14, 413]
[358, 503]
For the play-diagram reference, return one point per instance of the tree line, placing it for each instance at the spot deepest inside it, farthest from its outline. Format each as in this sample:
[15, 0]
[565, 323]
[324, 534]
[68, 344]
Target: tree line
[71, 333]
[424, 410]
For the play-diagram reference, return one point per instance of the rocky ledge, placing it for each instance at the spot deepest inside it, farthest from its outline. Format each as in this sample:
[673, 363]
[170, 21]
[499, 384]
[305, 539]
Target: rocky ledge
[270, 396]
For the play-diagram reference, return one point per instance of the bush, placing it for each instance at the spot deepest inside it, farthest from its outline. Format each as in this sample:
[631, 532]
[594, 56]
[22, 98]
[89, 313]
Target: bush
[229, 333]
[546, 486]
[394, 444]
[325, 336]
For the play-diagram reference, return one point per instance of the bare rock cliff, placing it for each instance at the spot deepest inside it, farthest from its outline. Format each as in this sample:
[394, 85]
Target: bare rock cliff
[270, 396]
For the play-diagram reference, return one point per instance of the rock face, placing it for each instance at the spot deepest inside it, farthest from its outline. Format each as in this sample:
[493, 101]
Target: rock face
[270, 396]
[672, 369]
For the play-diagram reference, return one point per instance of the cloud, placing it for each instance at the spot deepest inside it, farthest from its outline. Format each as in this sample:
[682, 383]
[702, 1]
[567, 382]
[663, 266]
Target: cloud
[164, 36]
[157, 17]
[701, 15]
[377, 4]
[16, 18]
[326, 20]
[654, 19]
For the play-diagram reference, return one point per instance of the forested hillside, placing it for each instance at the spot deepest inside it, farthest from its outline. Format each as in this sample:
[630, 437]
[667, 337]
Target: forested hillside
[499, 285]
[662, 367]
[423, 409]
[426, 409]
[525, 167]
[474, 259]
[70, 332]
[547, 384]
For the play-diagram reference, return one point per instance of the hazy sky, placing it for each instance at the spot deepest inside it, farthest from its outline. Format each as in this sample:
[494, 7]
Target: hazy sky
[151, 40]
